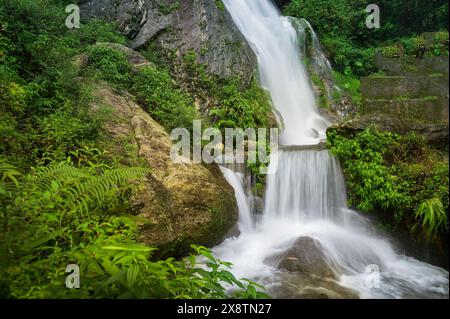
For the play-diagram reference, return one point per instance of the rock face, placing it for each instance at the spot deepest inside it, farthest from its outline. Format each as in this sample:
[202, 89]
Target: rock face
[179, 26]
[415, 89]
[436, 135]
[307, 273]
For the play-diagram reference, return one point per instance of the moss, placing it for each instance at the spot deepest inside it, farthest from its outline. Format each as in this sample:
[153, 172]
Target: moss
[168, 8]
[350, 85]
[220, 5]
[324, 103]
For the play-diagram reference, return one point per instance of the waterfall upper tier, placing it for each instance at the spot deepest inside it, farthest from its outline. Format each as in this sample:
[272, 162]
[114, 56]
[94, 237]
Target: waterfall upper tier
[276, 44]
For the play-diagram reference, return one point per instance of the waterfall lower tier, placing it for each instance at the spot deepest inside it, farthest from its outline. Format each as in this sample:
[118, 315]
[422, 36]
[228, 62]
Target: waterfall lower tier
[307, 185]
[305, 199]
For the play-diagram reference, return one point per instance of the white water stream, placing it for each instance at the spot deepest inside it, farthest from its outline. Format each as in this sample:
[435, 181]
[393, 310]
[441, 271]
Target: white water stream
[306, 196]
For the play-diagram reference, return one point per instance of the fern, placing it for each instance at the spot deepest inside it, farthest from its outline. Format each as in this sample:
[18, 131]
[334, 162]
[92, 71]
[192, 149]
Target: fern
[432, 218]
[61, 174]
[72, 191]
[8, 171]
[101, 189]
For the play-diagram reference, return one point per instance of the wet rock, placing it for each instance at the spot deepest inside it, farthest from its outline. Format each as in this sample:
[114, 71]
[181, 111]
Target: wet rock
[306, 256]
[436, 135]
[305, 273]
[295, 286]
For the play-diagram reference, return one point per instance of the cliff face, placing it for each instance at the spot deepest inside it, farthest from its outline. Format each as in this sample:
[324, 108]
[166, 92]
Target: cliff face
[200, 25]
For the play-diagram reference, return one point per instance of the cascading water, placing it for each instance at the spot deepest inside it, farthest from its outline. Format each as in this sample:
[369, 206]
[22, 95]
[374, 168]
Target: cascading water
[305, 197]
[236, 180]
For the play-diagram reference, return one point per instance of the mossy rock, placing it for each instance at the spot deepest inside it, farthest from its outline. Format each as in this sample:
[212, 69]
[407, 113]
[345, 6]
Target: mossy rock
[179, 204]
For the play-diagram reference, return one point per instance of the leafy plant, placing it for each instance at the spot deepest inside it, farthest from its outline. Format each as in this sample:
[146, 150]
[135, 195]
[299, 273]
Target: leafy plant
[62, 214]
[396, 175]
[431, 218]
[162, 99]
[112, 65]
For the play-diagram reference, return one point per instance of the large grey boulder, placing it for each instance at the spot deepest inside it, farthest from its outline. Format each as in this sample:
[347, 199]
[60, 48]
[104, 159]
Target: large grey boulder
[305, 256]
[180, 26]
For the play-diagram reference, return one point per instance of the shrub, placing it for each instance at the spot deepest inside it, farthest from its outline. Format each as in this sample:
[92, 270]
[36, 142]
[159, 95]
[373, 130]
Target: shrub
[241, 108]
[162, 99]
[111, 65]
[61, 214]
[398, 175]
[431, 218]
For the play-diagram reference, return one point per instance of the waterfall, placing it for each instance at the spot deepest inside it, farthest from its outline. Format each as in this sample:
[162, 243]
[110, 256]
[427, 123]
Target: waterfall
[276, 44]
[307, 185]
[306, 197]
[237, 181]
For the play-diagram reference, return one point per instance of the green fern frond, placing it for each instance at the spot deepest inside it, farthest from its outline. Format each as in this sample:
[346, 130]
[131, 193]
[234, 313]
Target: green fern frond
[8, 171]
[76, 190]
[62, 174]
[432, 218]
[102, 189]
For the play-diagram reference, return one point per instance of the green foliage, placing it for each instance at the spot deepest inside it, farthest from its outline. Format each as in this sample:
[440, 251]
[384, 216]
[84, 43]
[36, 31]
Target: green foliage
[112, 65]
[351, 45]
[234, 105]
[432, 218]
[351, 86]
[371, 183]
[349, 58]
[241, 109]
[43, 103]
[68, 206]
[341, 27]
[154, 88]
[440, 44]
[418, 46]
[162, 99]
[220, 5]
[392, 51]
[61, 214]
[398, 175]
